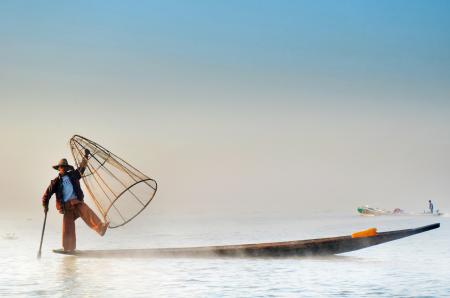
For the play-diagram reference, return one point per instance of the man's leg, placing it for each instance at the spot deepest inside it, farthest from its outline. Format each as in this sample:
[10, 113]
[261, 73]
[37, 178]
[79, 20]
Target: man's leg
[69, 239]
[91, 219]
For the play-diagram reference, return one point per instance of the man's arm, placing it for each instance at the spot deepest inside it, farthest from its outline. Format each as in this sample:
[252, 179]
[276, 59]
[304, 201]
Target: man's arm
[84, 162]
[47, 195]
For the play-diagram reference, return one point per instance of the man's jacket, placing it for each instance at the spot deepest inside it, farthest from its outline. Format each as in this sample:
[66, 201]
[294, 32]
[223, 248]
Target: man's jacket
[55, 187]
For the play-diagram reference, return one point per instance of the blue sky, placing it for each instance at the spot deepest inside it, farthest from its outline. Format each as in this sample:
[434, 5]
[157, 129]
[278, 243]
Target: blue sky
[396, 49]
[329, 92]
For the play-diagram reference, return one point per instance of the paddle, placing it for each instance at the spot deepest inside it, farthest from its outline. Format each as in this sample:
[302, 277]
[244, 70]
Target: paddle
[42, 235]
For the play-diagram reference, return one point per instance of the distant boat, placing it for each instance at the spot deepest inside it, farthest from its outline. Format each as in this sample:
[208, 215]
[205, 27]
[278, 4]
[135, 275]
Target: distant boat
[301, 248]
[371, 211]
[9, 236]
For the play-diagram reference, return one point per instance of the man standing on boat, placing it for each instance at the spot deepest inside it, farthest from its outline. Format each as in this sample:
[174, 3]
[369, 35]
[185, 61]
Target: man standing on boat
[69, 201]
[430, 205]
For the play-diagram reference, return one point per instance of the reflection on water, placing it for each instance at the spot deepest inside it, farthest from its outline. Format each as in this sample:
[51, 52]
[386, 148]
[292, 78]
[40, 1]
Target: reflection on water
[385, 270]
[68, 274]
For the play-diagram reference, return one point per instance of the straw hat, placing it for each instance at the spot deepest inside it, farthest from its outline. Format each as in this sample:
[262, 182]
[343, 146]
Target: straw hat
[63, 163]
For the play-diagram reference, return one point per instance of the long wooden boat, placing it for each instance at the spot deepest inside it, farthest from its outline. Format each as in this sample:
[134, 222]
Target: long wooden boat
[302, 248]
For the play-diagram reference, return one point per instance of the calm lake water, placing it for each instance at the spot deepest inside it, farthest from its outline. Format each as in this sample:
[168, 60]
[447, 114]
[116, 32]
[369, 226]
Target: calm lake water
[414, 266]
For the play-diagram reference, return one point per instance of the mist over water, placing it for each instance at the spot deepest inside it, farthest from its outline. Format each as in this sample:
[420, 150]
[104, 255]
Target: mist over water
[413, 266]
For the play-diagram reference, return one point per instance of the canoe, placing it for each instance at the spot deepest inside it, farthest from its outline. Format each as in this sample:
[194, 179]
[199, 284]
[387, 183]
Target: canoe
[301, 248]
[371, 211]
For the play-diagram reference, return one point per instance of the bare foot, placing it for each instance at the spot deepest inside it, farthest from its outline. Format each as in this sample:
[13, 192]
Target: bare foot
[105, 227]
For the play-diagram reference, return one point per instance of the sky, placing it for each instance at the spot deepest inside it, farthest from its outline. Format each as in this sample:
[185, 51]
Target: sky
[234, 107]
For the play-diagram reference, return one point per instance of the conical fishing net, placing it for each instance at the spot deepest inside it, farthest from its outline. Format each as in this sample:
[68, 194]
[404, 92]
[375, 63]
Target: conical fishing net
[119, 190]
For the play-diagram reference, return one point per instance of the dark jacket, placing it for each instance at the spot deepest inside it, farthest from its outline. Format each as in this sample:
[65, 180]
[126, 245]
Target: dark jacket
[55, 187]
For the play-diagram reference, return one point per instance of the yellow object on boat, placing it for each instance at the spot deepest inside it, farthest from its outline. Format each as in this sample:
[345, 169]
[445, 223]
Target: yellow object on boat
[366, 233]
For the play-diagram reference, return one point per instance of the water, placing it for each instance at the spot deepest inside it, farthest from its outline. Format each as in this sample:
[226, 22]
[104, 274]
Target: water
[414, 266]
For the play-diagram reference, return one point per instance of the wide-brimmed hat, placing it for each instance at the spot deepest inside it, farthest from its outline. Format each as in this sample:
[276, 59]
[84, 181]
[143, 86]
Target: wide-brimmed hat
[63, 163]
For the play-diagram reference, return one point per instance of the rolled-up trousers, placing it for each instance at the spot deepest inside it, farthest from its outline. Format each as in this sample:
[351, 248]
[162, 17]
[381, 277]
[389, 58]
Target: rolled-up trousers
[73, 210]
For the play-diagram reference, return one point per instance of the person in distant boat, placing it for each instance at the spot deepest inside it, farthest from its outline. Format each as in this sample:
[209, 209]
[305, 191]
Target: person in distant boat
[69, 201]
[430, 205]
[397, 211]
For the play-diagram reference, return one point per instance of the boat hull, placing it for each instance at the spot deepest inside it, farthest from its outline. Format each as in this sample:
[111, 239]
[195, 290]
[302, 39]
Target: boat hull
[301, 248]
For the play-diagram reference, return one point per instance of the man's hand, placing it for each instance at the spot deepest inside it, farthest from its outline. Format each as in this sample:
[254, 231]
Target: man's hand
[84, 161]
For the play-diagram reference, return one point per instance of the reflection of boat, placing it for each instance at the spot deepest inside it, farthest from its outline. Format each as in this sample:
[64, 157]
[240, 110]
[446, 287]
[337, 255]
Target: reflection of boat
[371, 211]
[313, 247]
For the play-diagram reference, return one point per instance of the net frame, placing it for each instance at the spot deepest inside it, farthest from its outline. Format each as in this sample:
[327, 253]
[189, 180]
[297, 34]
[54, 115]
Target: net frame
[77, 148]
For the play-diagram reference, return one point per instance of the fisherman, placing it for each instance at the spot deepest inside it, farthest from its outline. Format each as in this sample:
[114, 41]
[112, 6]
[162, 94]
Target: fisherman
[430, 205]
[69, 201]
